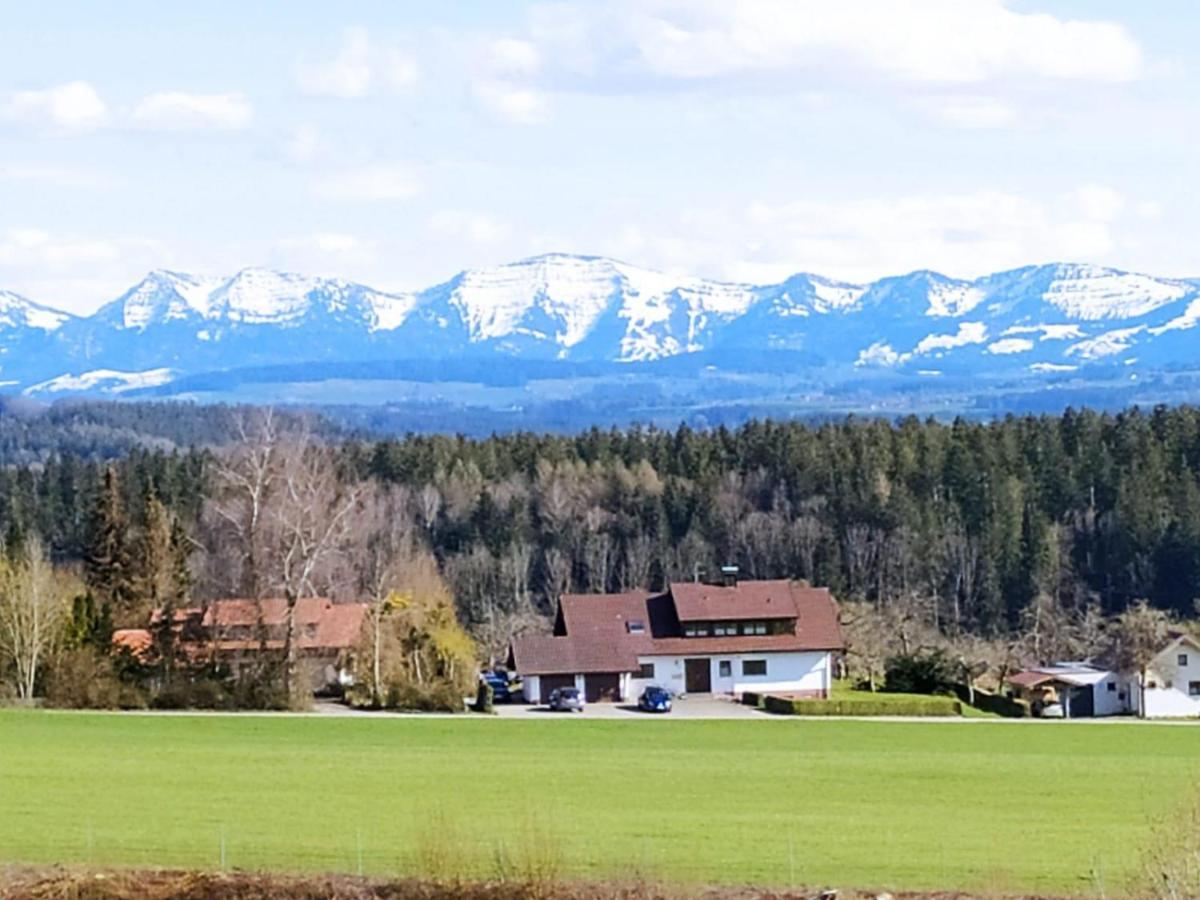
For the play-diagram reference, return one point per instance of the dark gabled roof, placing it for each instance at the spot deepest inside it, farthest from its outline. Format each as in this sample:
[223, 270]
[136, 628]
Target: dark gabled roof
[594, 634]
[547, 654]
[696, 602]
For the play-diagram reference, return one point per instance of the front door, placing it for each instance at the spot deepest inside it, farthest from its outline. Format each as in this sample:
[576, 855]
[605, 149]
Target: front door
[697, 676]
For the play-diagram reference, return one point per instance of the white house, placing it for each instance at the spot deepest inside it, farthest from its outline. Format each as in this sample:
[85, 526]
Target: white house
[693, 639]
[1172, 686]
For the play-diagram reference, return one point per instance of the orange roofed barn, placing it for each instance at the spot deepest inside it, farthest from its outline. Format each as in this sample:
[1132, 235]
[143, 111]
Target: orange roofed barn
[694, 638]
[237, 632]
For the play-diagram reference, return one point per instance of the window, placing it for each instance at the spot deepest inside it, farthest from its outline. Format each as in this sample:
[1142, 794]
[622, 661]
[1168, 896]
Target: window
[696, 630]
[646, 670]
[724, 669]
[754, 667]
[635, 627]
[1194, 688]
[754, 628]
[725, 628]
[1111, 687]
[1182, 659]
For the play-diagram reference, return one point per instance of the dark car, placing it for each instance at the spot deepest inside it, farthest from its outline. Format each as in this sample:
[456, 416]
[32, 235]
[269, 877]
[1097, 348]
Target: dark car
[566, 699]
[501, 691]
[655, 699]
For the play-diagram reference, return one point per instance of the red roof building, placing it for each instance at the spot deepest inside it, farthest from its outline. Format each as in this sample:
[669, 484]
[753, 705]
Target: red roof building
[238, 632]
[694, 638]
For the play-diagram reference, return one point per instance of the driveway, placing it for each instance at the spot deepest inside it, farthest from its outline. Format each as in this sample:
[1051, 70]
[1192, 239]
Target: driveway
[693, 707]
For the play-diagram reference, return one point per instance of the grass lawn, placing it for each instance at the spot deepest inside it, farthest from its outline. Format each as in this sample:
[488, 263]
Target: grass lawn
[987, 806]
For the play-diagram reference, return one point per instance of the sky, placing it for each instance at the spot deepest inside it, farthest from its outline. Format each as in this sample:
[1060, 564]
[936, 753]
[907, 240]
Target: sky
[398, 143]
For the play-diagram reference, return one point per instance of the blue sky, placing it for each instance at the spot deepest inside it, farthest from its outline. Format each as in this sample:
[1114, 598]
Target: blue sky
[742, 139]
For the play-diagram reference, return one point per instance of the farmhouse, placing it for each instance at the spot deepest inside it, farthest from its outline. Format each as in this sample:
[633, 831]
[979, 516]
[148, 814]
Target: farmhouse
[694, 638]
[1172, 683]
[239, 632]
[1081, 689]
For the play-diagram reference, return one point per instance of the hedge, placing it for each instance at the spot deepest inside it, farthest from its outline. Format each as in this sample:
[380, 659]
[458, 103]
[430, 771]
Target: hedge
[914, 706]
[749, 698]
[995, 703]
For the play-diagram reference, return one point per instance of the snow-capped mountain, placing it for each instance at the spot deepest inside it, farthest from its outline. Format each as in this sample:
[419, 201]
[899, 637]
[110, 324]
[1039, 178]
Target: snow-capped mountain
[1033, 322]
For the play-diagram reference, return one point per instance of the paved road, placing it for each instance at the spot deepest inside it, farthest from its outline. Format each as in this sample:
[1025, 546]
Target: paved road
[685, 708]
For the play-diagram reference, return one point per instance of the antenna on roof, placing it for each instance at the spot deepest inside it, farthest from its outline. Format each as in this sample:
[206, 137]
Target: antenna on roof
[697, 571]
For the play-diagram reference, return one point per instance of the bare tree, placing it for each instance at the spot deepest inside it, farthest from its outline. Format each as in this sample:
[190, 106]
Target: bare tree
[34, 604]
[1138, 635]
[246, 476]
[311, 519]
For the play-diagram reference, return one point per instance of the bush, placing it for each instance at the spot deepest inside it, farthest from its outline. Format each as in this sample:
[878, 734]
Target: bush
[202, 693]
[484, 698]
[927, 672]
[995, 703]
[83, 679]
[750, 698]
[908, 706]
[424, 698]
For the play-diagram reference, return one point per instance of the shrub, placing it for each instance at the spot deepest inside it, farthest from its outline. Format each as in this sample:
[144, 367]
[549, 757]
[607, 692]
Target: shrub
[750, 698]
[908, 706]
[924, 672]
[424, 698]
[484, 698]
[995, 703]
[83, 679]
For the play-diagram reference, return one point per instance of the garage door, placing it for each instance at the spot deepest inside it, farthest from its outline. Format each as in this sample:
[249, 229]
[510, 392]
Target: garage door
[602, 688]
[547, 683]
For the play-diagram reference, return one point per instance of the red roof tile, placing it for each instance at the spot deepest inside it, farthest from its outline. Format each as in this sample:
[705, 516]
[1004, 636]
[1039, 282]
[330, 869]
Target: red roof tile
[598, 637]
[696, 602]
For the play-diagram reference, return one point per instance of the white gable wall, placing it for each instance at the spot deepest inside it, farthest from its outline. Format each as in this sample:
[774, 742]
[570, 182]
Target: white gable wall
[786, 673]
[1171, 680]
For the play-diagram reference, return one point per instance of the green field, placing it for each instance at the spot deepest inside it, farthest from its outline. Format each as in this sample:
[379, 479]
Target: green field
[987, 806]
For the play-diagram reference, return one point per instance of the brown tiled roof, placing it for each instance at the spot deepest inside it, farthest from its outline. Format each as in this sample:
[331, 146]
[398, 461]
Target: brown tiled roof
[696, 602]
[547, 654]
[137, 641]
[597, 636]
[320, 623]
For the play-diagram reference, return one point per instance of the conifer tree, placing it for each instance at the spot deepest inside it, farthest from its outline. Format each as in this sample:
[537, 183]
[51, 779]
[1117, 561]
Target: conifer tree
[107, 569]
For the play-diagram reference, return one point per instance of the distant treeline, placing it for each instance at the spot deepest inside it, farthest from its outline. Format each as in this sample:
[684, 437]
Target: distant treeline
[1083, 510]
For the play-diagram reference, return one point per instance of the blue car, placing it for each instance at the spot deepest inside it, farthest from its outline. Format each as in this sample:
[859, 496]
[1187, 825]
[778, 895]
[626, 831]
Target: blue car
[655, 699]
[501, 692]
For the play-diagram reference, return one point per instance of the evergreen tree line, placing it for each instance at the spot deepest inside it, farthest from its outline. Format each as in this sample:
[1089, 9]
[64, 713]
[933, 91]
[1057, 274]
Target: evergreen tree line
[982, 522]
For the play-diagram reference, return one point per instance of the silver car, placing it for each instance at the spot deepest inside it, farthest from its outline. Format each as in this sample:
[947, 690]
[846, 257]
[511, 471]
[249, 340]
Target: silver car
[567, 699]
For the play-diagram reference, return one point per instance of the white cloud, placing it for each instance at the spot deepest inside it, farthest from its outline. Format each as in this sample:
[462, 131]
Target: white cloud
[380, 182]
[183, 111]
[305, 144]
[336, 247]
[358, 66]
[1100, 203]
[970, 111]
[949, 42]
[859, 239]
[504, 84]
[512, 102]
[71, 107]
[480, 228]
[35, 247]
[58, 176]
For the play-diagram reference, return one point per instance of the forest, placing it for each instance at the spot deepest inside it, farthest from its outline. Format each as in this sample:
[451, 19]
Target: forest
[976, 525]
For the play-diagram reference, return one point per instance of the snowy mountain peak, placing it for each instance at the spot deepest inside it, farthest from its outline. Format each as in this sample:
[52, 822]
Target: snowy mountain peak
[20, 312]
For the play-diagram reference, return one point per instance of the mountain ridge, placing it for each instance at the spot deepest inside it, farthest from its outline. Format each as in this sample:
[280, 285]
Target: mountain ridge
[1030, 321]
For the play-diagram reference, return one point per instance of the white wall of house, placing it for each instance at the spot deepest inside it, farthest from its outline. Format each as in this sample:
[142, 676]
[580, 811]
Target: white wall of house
[1112, 695]
[531, 689]
[1172, 683]
[786, 672]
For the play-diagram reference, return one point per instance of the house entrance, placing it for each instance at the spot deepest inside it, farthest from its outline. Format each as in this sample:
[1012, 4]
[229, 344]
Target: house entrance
[697, 676]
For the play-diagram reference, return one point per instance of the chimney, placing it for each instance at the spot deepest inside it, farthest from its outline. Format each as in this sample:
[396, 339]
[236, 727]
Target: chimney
[729, 576]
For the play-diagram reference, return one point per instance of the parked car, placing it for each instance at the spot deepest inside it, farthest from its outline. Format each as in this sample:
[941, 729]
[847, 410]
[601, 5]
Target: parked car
[655, 699]
[501, 690]
[1052, 711]
[567, 699]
